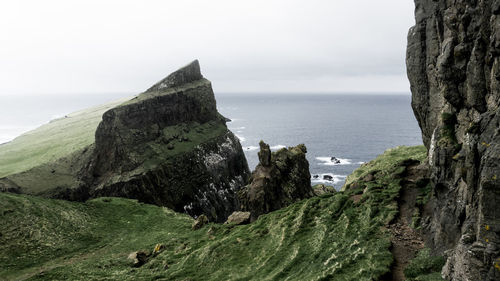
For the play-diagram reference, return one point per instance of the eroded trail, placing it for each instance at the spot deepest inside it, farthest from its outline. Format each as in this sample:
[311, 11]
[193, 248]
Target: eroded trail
[406, 241]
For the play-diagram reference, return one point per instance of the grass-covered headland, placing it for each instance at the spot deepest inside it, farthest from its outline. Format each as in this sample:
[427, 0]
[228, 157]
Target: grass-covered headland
[339, 236]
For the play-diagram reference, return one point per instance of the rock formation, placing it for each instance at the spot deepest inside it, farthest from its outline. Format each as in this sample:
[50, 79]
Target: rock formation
[280, 178]
[167, 146]
[238, 218]
[454, 70]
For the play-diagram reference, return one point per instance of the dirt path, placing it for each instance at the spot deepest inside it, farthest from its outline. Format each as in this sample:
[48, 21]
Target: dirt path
[405, 240]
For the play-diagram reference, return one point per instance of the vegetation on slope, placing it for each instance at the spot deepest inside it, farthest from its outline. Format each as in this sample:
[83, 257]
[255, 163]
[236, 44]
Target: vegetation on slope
[425, 267]
[332, 237]
[58, 138]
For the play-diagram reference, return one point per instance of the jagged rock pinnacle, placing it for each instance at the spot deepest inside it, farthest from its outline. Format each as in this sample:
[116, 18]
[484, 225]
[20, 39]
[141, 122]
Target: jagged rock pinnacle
[184, 75]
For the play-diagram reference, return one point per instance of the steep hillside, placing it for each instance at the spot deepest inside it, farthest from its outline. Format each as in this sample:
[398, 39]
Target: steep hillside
[454, 69]
[167, 146]
[341, 236]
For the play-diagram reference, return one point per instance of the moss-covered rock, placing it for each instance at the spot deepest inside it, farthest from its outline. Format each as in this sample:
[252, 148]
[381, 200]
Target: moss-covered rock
[280, 178]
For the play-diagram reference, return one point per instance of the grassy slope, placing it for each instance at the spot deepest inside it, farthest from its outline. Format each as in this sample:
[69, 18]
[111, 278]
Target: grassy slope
[322, 238]
[54, 140]
[64, 136]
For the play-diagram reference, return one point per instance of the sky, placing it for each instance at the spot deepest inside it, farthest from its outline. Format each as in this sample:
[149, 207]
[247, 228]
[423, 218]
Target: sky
[261, 46]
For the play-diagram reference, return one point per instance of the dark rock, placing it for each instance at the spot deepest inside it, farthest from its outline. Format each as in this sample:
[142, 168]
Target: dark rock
[316, 176]
[139, 258]
[335, 160]
[453, 64]
[264, 154]
[321, 189]
[328, 177]
[199, 222]
[281, 178]
[368, 178]
[185, 75]
[238, 218]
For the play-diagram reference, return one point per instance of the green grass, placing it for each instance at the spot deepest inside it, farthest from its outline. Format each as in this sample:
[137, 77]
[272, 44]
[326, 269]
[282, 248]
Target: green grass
[68, 135]
[323, 238]
[58, 138]
[425, 267]
[386, 162]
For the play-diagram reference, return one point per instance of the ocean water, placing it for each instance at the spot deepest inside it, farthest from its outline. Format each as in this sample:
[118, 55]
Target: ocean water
[352, 128]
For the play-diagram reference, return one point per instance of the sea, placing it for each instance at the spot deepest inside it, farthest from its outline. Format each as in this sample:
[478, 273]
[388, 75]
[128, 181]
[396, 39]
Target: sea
[340, 131]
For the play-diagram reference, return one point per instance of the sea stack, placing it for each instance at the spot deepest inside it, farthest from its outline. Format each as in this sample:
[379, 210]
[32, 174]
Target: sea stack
[280, 179]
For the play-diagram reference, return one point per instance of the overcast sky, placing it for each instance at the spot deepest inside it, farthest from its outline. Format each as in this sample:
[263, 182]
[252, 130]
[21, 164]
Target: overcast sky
[70, 47]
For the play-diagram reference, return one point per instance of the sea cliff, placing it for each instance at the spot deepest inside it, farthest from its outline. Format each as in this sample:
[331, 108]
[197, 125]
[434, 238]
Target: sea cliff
[454, 69]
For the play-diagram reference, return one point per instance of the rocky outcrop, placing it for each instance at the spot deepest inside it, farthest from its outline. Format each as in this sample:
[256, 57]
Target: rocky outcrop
[280, 178]
[167, 146]
[454, 70]
[238, 218]
[321, 189]
[200, 222]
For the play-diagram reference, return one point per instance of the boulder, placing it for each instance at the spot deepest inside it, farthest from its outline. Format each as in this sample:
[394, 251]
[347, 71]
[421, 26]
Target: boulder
[321, 189]
[280, 178]
[238, 218]
[200, 222]
[139, 258]
[328, 177]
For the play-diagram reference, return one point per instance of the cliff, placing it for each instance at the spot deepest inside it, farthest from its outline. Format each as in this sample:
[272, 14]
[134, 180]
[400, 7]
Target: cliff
[454, 70]
[167, 146]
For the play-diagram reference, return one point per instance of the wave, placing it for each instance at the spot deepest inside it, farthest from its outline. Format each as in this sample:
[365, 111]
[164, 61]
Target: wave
[250, 148]
[327, 178]
[240, 137]
[277, 147]
[331, 161]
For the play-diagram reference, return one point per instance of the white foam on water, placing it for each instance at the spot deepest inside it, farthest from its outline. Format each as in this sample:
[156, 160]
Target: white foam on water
[241, 138]
[335, 178]
[360, 163]
[250, 148]
[327, 161]
[277, 147]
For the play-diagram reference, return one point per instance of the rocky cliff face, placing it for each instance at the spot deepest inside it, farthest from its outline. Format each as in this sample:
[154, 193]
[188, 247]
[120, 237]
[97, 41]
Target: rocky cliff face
[280, 178]
[454, 71]
[167, 146]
